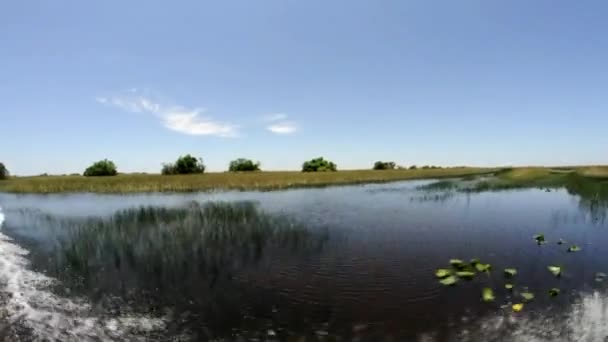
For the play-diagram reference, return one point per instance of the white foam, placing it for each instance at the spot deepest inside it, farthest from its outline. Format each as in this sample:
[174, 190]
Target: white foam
[51, 317]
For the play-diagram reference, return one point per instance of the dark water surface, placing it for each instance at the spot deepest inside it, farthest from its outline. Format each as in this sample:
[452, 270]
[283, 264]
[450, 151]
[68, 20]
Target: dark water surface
[349, 263]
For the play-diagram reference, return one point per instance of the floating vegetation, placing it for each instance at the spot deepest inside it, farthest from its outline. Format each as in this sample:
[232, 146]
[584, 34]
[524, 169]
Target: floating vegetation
[540, 239]
[517, 307]
[483, 267]
[487, 295]
[555, 270]
[449, 281]
[527, 296]
[465, 274]
[510, 272]
[442, 273]
[457, 263]
[468, 271]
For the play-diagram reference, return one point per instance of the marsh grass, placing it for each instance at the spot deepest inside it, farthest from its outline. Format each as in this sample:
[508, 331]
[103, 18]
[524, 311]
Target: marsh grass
[187, 259]
[131, 183]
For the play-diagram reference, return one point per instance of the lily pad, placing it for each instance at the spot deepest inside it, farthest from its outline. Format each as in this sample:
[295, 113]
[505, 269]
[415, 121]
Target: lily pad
[527, 296]
[487, 295]
[474, 262]
[554, 292]
[540, 239]
[449, 281]
[442, 273]
[574, 248]
[510, 272]
[561, 242]
[509, 287]
[518, 307]
[457, 263]
[483, 267]
[465, 274]
[556, 270]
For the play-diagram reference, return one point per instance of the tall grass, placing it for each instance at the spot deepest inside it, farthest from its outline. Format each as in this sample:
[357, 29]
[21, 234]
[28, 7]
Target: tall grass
[128, 183]
[186, 260]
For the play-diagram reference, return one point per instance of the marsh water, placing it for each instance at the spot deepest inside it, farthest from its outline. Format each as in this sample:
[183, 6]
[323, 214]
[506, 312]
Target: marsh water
[339, 263]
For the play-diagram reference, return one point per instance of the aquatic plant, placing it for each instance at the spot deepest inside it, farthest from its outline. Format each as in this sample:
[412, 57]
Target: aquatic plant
[185, 258]
[487, 295]
[555, 270]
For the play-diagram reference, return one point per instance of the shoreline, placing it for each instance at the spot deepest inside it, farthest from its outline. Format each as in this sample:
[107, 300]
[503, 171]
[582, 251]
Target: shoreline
[225, 181]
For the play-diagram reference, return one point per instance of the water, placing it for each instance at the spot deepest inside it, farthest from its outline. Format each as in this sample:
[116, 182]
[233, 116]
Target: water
[352, 262]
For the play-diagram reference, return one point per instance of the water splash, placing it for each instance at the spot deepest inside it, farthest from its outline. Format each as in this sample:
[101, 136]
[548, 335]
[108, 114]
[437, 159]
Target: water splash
[30, 303]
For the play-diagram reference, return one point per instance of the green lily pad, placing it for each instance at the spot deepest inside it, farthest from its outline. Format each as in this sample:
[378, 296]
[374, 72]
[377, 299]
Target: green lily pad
[474, 262]
[574, 248]
[527, 296]
[509, 287]
[442, 273]
[510, 272]
[465, 275]
[457, 263]
[483, 267]
[540, 239]
[554, 292]
[449, 281]
[487, 295]
[556, 270]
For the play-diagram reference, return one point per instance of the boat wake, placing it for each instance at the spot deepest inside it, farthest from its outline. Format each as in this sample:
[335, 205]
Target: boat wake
[30, 306]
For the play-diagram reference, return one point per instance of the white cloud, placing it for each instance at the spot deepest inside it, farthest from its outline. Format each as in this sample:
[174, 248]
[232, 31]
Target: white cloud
[283, 128]
[279, 124]
[176, 118]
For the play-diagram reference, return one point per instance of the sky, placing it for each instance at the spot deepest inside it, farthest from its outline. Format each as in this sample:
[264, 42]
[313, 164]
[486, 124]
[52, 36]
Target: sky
[447, 83]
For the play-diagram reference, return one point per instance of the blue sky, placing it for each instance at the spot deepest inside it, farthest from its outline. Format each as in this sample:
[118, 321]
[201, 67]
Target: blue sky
[418, 82]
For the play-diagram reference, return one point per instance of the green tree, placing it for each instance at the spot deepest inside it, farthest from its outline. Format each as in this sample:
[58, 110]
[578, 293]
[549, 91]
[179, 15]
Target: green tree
[413, 167]
[319, 165]
[184, 165]
[380, 165]
[242, 164]
[101, 168]
[4, 174]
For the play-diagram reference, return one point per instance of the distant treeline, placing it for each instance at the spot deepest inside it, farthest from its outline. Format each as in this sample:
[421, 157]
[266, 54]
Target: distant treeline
[188, 164]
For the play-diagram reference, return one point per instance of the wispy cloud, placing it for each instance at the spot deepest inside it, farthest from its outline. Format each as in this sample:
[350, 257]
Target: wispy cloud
[174, 117]
[279, 124]
[283, 128]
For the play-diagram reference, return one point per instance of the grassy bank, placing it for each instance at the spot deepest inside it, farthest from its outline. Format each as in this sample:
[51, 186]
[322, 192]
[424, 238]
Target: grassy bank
[527, 177]
[130, 183]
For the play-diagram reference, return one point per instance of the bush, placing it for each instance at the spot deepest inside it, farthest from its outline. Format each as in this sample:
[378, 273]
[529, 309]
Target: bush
[184, 165]
[101, 168]
[413, 167]
[318, 165]
[243, 164]
[4, 174]
[379, 165]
